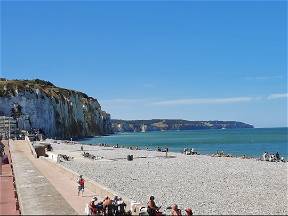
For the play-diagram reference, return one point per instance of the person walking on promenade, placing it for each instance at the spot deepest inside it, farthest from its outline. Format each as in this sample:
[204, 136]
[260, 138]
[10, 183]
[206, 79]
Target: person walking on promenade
[81, 183]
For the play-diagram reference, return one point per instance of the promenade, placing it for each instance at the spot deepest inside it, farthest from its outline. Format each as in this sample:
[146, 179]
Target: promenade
[43, 188]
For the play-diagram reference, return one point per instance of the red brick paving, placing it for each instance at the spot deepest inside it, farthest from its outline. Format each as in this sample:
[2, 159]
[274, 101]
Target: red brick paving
[8, 201]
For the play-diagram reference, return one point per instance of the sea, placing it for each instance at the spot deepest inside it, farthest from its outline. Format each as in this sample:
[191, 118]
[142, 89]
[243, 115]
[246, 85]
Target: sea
[251, 142]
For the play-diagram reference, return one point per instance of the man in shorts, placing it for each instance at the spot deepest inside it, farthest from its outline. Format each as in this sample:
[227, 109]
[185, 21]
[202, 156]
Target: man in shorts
[81, 183]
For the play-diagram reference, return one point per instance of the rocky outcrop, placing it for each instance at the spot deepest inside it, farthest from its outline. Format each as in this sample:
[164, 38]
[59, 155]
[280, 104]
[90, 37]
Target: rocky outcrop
[173, 124]
[58, 112]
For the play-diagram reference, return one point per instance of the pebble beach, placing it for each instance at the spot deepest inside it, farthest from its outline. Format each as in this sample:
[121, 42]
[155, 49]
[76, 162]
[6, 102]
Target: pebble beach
[208, 185]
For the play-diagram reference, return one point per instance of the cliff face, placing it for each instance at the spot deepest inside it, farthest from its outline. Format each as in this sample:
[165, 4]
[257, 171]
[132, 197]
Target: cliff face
[58, 112]
[173, 124]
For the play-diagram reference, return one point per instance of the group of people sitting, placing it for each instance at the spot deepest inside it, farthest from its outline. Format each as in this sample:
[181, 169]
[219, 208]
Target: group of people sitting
[107, 206]
[116, 207]
[272, 157]
[189, 151]
[221, 154]
[104, 144]
[64, 157]
[162, 149]
[154, 210]
[91, 156]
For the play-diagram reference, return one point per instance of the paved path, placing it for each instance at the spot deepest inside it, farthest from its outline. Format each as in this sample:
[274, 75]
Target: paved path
[7, 196]
[64, 185]
[36, 194]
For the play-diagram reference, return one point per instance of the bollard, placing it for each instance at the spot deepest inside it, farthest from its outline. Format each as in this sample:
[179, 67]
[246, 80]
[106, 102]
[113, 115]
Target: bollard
[15, 194]
[17, 205]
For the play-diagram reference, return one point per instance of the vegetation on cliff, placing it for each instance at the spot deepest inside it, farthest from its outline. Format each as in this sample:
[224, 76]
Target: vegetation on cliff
[172, 124]
[12, 87]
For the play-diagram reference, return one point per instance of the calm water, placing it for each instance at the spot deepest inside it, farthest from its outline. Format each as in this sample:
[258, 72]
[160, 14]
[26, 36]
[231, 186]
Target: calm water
[251, 142]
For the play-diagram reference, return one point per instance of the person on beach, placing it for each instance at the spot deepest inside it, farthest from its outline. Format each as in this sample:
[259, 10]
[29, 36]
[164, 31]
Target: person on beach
[92, 206]
[81, 183]
[151, 207]
[277, 156]
[119, 206]
[175, 211]
[107, 206]
[188, 212]
[264, 157]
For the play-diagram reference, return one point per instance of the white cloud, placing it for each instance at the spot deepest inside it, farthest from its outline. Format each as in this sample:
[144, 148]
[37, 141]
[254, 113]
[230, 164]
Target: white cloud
[135, 102]
[277, 96]
[263, 77]
[204, 101]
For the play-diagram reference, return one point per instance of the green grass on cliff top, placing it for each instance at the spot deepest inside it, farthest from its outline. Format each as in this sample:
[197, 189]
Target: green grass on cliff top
[10, 88]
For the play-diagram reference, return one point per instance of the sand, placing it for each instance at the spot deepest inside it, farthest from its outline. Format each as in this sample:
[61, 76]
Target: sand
[208, 185]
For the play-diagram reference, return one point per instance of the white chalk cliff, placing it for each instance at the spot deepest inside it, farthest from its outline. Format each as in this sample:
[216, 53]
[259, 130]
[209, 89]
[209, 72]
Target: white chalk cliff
[59, 112]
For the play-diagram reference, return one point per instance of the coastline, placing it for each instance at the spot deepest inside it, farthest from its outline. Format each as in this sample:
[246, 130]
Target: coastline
[235, 142]
[209, 185]
[136, 148]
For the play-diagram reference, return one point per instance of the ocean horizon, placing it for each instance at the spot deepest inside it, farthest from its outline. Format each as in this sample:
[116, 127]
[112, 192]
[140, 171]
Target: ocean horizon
[251, 142]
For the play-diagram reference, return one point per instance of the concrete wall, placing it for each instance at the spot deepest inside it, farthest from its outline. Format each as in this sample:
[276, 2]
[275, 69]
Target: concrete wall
[33, 152]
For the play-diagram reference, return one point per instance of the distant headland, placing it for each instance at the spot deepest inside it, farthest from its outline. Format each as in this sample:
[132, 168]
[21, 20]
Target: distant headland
[172, 124]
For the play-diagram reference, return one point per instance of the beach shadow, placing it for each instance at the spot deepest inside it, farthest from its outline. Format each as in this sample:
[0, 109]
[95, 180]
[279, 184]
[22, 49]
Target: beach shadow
[87, 150]
[89, 195]
[107, 149]
[143, 157]
[172, 156]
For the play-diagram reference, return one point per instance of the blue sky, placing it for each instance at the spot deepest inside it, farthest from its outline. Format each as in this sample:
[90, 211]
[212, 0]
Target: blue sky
[194, 60]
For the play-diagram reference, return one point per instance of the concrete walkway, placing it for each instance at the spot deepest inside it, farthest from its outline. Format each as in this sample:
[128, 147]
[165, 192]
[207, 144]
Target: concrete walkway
[40, 181]
[36, 194]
